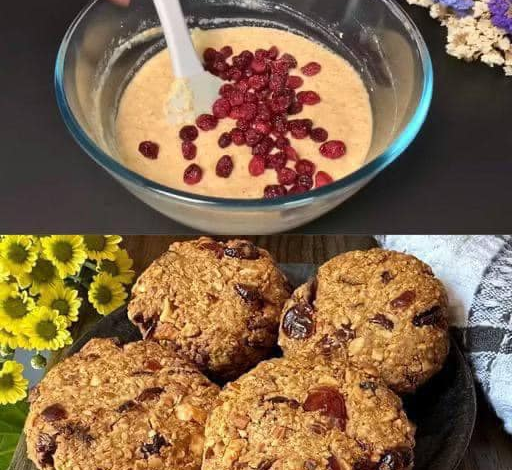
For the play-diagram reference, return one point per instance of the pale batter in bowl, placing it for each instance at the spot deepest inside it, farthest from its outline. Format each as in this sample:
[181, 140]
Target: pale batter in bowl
[344, 111]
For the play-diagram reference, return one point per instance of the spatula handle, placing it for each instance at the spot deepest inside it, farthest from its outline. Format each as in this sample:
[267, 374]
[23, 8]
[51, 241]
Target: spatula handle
[184, 57]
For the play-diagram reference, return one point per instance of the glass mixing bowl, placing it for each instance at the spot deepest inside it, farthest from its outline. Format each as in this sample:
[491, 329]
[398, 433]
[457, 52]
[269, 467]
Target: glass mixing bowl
[106, 45]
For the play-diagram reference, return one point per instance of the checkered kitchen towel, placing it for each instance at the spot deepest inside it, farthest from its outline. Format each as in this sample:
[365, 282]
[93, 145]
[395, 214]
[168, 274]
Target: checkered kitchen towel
[477, 272]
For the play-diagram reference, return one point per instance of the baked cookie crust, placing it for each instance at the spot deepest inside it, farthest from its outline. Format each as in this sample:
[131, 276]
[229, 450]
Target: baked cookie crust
[382, 310]
[115, 407]
[284, 415]
[217, 304]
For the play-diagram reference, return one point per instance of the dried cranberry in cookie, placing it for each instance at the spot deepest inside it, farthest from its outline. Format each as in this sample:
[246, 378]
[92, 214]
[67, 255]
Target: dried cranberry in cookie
[291, 415]
[216, 303]
[383, 310]
[114, 407]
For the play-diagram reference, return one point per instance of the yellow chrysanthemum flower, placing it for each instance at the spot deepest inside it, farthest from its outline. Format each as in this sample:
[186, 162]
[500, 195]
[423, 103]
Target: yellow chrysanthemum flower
[119, 268]
[4, 274]
[18, 254]
[66, 252]
[12, 340]
[42, 275]
[106, 294]
[13, 386]
[7, 288]
[14, 307]
[46, 329]
[100, 247]
[63, 299]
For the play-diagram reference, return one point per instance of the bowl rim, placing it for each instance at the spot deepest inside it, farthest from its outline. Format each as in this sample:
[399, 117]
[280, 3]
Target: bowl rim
[390, 154]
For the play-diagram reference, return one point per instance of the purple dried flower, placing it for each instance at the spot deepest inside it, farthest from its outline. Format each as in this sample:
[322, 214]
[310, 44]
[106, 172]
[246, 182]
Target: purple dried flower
[459, 6]
[501, 14]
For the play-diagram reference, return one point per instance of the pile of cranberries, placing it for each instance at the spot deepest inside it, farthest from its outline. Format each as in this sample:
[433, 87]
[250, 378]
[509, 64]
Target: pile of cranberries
[260, 95]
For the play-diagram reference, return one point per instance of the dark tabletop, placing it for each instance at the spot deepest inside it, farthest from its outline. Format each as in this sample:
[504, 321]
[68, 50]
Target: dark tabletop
[455, 177]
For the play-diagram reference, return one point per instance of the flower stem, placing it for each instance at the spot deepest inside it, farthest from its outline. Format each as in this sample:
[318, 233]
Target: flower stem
[90, 265]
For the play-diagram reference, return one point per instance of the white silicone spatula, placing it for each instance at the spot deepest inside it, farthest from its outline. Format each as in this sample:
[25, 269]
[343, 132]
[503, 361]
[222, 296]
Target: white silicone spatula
[194, 90]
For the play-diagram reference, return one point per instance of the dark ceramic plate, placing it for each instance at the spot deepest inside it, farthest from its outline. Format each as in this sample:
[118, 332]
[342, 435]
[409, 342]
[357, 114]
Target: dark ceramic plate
[444, 410]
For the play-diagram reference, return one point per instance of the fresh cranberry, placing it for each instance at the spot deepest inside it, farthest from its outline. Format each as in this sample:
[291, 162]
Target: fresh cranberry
[279, 67]
[208, 66]
[206, 122]
[247, 55]
[236, 113]
[243, 124]
[259, 66]
[295, 108]
[235, 74]
[224, 140]
[297, 189]
[193, 174]
[237, 136]
[242, 85]
[247, 73]
[305, 180]
[290, 60]
[282, 142]
[189, 150]
[319, 134]
[263, 113]
[210, 54]
[280, 102]
[250, 97]
[221, 108]
[219, 65]
[333, 149]
[308, 97]
[248, 111]
[257, 165]
[294, 82]
[226, 90]
[305, 167]
[274, 190]
[273, 52]
[322, 179]
[226, 75]
[311, 69]
[261, 54]
[263, 127]
[252, 137]
[149, 149]
[280, 124]
[276, 160]
[236, 98]
[258, 82]
[240, 62]
[264, 147]
[300, 128]
[226, 51]
[189, 133]
[277, 82]
[286, 176]
[291, 153]
[224, 166]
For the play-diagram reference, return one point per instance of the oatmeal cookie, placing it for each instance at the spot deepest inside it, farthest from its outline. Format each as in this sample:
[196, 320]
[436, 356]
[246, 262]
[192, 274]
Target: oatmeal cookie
[383, 310]
[115, 407]
[287, 415]
[217, 304]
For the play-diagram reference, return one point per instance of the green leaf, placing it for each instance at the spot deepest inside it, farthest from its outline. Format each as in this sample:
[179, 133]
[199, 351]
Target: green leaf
[12, 419]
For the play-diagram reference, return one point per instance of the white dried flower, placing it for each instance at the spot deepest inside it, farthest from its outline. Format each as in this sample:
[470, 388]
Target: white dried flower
[473, 36]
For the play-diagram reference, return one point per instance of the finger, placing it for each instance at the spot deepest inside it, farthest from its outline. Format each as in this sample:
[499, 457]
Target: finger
[123, 3]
